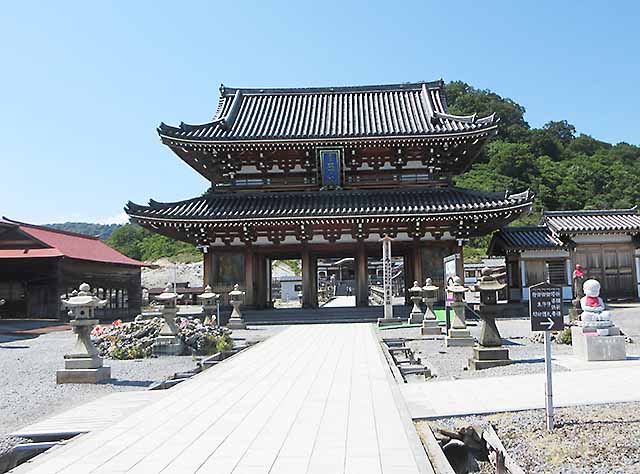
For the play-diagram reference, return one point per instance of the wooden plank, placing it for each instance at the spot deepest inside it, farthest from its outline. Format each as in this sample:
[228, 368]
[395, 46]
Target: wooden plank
[492, 439]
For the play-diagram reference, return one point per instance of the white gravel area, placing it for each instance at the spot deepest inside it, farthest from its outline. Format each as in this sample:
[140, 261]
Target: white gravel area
[595, 439]
[451, 363]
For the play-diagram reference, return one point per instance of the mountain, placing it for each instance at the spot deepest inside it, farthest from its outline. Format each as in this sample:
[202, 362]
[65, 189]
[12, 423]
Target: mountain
[96, 230]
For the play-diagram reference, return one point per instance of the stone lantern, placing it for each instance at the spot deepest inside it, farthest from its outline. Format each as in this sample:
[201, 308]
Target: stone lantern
[235, 298]
[489, 351]
[84, 364]
[168, 342]
[458, 335]
[209, 300]
[430, 325]
[415, 317]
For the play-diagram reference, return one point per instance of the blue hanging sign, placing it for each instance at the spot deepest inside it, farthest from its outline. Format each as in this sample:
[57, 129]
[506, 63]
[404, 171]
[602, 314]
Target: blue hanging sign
[330, 167]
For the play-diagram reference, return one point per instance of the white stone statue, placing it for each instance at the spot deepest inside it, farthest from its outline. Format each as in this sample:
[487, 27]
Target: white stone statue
[594, 315]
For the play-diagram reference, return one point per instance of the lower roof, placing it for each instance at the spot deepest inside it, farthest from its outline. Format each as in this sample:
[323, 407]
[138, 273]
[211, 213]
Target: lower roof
[268, 206]
[593, 221]
[517, 239]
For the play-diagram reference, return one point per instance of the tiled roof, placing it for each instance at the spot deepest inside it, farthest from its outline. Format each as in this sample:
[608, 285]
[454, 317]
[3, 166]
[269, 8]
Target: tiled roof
[525, 238]
[401, 110]
[608, 220]
[426, 201]
[67, 244]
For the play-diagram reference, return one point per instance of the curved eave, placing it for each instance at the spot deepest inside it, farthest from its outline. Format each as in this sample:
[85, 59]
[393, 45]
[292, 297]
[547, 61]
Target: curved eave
[516, 208]
[485, 132]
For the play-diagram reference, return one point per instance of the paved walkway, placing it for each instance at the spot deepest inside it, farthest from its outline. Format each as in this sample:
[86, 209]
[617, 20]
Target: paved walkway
[310, 399]
[94, 415]
[522, 392]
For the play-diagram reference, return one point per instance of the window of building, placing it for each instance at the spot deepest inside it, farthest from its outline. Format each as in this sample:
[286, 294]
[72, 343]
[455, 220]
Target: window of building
[556, 272]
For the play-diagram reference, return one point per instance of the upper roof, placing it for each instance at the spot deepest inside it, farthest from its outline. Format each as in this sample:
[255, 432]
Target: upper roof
[592, 221]
[516, 239]
[242, 207]
[397, 110]
[64, 244]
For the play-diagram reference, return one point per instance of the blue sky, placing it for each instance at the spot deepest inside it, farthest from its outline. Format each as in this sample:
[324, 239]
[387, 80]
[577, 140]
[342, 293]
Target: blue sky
[83, 85]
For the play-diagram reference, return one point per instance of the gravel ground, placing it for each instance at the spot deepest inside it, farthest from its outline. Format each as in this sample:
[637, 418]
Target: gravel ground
[451, 363]
[28, 377]
[596, 439]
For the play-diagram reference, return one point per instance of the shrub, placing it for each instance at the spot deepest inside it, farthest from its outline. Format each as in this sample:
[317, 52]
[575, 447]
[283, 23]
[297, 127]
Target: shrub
[564, 336]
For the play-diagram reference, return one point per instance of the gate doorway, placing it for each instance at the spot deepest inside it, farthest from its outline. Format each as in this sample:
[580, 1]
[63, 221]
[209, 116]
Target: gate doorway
[286, 283]
[376, 291]
[336, 282]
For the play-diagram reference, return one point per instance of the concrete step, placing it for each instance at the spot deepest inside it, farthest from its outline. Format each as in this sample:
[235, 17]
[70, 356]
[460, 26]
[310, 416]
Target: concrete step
[319, 315]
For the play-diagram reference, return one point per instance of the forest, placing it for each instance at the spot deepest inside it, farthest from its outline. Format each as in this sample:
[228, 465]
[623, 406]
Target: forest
[565, 169]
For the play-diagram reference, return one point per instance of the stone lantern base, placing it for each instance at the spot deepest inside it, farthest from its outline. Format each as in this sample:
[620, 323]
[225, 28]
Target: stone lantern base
[389, 322]
[236, 323]
[459, 338]
[430, 327]
[167, 345]
[487, 357]
[95, 375]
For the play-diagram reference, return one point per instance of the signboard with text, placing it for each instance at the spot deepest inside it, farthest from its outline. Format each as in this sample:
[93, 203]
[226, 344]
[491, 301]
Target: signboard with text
[545, 307]
[330, 168]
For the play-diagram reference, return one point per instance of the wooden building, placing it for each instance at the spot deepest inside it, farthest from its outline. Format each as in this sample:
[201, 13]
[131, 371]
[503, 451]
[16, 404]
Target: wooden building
[604, 242]
[39, 264]
[326, 172]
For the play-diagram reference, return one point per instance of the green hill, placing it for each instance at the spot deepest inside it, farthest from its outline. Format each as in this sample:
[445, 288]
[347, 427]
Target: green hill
[95, 230]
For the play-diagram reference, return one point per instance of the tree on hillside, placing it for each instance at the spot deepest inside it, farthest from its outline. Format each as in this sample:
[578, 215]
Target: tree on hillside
[564, 169]
[141, 244]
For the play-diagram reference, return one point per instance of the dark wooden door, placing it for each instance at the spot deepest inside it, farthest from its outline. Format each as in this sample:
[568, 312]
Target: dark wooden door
[611, 265]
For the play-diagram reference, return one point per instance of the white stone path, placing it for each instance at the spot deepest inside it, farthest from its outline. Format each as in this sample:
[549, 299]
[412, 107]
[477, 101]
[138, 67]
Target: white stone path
[311, 399]
[613, 383]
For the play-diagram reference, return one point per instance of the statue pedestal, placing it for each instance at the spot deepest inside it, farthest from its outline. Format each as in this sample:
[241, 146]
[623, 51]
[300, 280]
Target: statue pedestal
[430, 327]
[487, 357]
[459, 338]
[590, 346]
[83, 365]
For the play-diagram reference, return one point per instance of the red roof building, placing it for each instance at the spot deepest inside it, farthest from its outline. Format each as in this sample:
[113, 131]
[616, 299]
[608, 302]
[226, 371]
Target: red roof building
[38, 264]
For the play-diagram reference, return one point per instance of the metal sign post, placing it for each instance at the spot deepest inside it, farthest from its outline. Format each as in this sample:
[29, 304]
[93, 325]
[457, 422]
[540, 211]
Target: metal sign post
[545, 310]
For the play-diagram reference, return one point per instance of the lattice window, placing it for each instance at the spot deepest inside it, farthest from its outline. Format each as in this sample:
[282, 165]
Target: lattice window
[556, 272]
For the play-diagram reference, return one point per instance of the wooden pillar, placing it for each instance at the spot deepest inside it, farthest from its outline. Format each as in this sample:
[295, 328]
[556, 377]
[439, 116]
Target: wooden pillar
[416, 257]
[309, 279]
[209, 264]
[249, 276]
[407, 259]
[460, 261]
[261, 282]
[362, 280]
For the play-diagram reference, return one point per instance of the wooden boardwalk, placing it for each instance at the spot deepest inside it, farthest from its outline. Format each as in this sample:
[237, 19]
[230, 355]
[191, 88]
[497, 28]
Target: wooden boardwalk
[314, 399]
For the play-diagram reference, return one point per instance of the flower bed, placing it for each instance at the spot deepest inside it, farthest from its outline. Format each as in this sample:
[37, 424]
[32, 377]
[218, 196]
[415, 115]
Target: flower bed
[134, 340]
